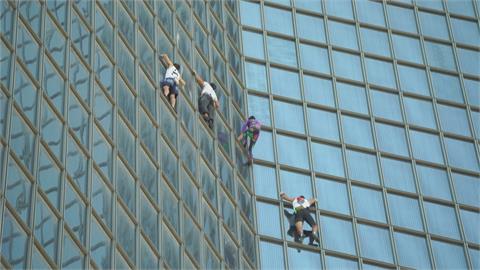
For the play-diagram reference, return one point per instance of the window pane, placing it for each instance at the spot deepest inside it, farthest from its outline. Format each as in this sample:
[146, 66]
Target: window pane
[339, 263]
[18, 191]
[407, 48]
[268, 220]
[461, 154]
[440, 55]
[318, 90]
[52, 131]
[25, 95]
[22, 141]
[49, 178]
[265, 181]
[405, 212]
[465, 31]
[375, 243]
[339, 8]
[332, 196]
[471, 223]
[467, 189]
[329, 127]
[255, 77]
[278, 20]
[368, 203]
[264, 150]
[391, 139]
[402, 19]
[292, 151]
[288, 116]
[363, 167]
[449, 256]
[373, 41]
[380, 72]
[285, 83]
[338, 235]
[412, 251]
[347, 65]
[419, 112]
[304, 259]
[46, 228]
[357, 131]
[447, 87]
[442, 220]
[433, 25]
[386, 105]
[282, 51]
[352, 98]
[343, 35]
[469, 61]
[250, 13]
[102, 200]
[328, 159]
[473, 94]
[370, 12]
[434, 182]
[253, 45]
[426, 146]
[296, 184]
[454, 120]
[398, 175]
[100, 246]
[271, 256]
[413, 80]
[14, 242]
[310, 27]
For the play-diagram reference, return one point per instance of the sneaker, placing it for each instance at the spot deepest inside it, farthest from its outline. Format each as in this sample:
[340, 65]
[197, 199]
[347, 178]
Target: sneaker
[315, 237]
[298, 238]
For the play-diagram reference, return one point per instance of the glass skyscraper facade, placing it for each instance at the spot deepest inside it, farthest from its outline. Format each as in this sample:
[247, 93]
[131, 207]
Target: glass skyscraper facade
[372, 107]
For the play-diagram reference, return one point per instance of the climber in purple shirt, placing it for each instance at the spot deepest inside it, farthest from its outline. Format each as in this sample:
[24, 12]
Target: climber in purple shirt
[249, 135]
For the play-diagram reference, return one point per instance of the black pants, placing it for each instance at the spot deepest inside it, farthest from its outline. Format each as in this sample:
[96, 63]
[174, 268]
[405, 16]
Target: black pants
[205, 105]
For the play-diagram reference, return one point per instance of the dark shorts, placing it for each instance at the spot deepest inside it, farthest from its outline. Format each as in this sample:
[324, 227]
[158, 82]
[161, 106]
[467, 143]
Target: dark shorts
[172, 86]
[304, 215]
[205, 105]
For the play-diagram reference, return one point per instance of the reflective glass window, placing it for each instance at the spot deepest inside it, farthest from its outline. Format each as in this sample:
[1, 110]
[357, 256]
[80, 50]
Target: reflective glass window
[382, 249]
[461, 154]
[368, 203]
[447, 87]
[78, 120]
[340, 263]
[228, 213]
[398, 174]
[25, 95]
[282, 51]
[148, 134]
[255, 76]
[285, 83]
[102, 153]
[80, 37]
[402, 19]
[210, 225]
[100, 245]
[148, 174]
[419, 112]
[332, 196]
[104, 30]
[271, 256]
[405, 212]
[126, 143]
[318, 90]
[347, 65]
[172, 214]
[49, 178]
[449, 256]
[339, 9]
[46, 228]
[265, 181]
[454, 120]
[126, 233]
[292, 151]
[14, 242]
[473, 94]
[374, 41]
[145, 19]
[288, 116]
[250, 14]
[52, 131]
[386, 105]
[310, 5]
[53, 85]
[468, 60]
[258, 106]
[407, 48]
[426, 146]
[352, 98]
[329, 125]
[38, 261]
[391, 139]
[278, 20]
[434, 182]
[146, 57]
[474, 257]
[357, 131]
[103, 111]
[18, 191]
[72, 258]
[380, 72]
[104, 70]
[22, 141]
[315, 58]
[304, 259]
[268, 219]
[412, 250]
[126, 186]
[79, 78]
[217, 36]
[363, 167]
[102, 200]
[433, 25]
[6, 17]
[5, 64]
[296, 184]
[253, 44]
[430, 4]
[55, 42]
[442, 220]
[471, 223]
[192, 237]
[465, 31]
[126, 25]
[309, 27]
[337, 234]
[60, 10]
[461, 7]
[467, 189]
[328, 159]
[370, 12]
[413, 80]
[126, 63]
[440, 55]
[75, 213]
[341, 34]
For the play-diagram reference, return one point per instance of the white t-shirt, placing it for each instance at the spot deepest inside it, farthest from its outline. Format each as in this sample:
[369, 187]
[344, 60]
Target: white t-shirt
[207, 89]
[297, 204]
[173, 73]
